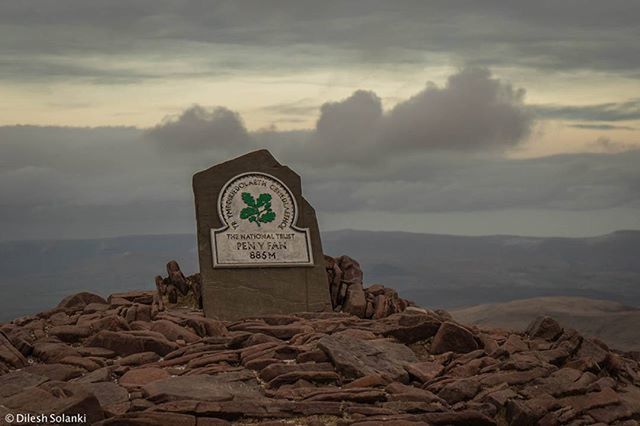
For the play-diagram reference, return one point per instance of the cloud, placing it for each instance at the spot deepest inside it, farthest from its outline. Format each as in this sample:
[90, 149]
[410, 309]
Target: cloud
[605, 144]
[539, 35]
[600, 127]
[471, 112]
[350, 128]
[610, 111]
[439, 151]
[199, 129]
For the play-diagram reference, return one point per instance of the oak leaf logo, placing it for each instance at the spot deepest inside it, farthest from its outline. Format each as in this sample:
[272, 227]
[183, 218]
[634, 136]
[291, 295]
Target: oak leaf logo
[258, 210]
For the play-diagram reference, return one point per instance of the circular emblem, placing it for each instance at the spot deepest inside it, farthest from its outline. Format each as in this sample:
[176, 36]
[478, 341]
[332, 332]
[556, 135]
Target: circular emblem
[258, 213]
[257, 202]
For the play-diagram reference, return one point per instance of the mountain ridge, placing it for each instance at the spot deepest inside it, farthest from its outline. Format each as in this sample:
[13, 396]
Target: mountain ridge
[435, 270]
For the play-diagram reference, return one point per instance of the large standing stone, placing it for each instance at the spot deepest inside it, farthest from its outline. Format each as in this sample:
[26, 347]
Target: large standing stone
[259, 245]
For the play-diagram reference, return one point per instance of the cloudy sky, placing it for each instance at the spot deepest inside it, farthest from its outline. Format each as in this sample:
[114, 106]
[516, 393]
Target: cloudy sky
[463, 117]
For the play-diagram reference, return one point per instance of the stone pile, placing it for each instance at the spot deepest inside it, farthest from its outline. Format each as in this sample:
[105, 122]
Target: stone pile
[124, 361]
[349, 295]
[178, 289]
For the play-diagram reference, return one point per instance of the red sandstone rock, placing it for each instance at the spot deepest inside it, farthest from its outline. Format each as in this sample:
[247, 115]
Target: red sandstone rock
[56, 398]
[355, 302]
[130, 342]
[454, 338]
[545, 328]
[70, 333]
[9, 354]
[142, 376]
[357, 358]
[412, 367]
[173, 331]
[80, 300]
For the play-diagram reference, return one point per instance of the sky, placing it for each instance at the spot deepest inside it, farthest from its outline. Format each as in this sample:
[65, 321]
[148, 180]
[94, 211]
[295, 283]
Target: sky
[457, 117]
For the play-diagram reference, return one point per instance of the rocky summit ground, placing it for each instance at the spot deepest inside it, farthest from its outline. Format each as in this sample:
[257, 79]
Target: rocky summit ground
[124, 361]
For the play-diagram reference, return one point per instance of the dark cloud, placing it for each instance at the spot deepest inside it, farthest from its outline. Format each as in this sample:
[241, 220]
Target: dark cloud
[199, 129]
[438, 151]
[575, 182]
[91, 187]
[610, 111]
[600, 127]
[472, 112]
[350, 129]
[559, 35]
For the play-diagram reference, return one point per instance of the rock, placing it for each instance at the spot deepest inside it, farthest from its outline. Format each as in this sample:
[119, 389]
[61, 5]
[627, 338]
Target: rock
[87, 364]
[139, 359]
[58, 399]
[355, 302]
[518, 413]
[142, 376]
[282, 332]
[130, 342]
[143, 297]
[514, 377]
[313, 376]
[70, 333]
[9, 354]
[53, 352]
[515, 344]
[80, 300]
[150, 419]
[21, 340]
[425, 371]
[173, 331]
[459, 418]
[60, 372]
[499, 397]
[402, 392]
[312, 356]
[368, 381]
[412, 367]
[410, 328]
[205, 326]
[103, 374]
[107, 393]
[592, 352]
[459, 390]
[582, 403]
[453, 337]
[274, 370]
[357, 358]
[111, 322]
[351, 270]
[96, 352]
[220, 387]
[95, 307]
[544, 328]
[176, 278]
[135, 312]
[17, 381]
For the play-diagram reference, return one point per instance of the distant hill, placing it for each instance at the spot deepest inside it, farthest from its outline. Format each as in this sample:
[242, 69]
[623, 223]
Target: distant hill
[36, 275]
[454, 271]
[613, 323]
[433, 270]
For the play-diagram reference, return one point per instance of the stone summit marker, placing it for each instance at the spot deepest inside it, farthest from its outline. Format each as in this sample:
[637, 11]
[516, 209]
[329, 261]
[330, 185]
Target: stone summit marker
[258, 240]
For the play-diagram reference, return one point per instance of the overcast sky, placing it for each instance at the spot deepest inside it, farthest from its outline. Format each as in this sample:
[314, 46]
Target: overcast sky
[461, 117]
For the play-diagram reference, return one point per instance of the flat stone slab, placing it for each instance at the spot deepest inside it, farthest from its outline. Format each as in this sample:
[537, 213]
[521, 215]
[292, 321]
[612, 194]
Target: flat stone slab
[219, 387]
[355, 358]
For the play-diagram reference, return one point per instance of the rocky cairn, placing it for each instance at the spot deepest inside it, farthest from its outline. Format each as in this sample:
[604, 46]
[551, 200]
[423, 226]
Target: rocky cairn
[139, 358]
